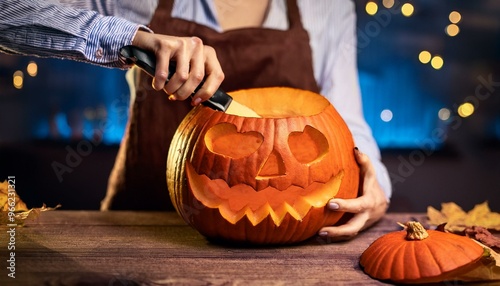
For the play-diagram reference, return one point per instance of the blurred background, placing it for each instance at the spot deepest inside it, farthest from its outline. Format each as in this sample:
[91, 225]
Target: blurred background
[429, 73]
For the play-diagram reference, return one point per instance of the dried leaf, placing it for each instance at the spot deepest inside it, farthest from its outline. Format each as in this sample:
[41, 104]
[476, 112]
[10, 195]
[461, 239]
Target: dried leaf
[454, 214]
[485, 269]
[481, 215]
[9, 197]
[482, 235]
[457, 219]
[21, 214]
[435, 216]
[451, 209]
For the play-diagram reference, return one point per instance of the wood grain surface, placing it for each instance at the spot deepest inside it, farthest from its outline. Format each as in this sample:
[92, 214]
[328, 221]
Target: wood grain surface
[158, 248]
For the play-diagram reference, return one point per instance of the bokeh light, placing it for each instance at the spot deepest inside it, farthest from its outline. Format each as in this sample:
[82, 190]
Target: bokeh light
[386, 115]
[465, 109]
[388, 3]
[407, 9]
[32, 68]
[18, 79]
[371, 8]
[424, 57]
[437, 62]
[455, 17]
[452, 30]
[444, 114]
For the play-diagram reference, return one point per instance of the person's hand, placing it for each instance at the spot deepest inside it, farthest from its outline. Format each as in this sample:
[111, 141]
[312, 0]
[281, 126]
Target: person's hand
[367, 208]
[195, 62]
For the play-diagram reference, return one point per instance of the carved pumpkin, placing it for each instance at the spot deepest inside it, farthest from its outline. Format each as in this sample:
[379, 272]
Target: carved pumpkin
[415, 255]
[262, 180]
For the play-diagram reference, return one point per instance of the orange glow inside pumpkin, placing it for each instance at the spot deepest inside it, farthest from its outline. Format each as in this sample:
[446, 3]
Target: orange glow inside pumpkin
[223, 139]
[309, 145]
[284, 151]
[290, 105]
[240, 200]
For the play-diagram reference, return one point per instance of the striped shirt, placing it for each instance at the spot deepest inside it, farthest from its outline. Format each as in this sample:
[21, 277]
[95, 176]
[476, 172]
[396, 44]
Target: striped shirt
[74, 31]
[48, 28]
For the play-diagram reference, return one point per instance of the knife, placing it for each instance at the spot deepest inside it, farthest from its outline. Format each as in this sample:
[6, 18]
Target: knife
[220, 100]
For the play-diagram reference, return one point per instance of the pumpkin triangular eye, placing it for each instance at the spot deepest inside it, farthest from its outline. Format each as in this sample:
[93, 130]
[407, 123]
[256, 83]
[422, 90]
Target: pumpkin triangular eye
[309, 145]
[223, 139]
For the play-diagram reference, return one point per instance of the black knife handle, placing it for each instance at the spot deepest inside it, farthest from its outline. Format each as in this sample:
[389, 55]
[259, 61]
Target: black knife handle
[147, 61]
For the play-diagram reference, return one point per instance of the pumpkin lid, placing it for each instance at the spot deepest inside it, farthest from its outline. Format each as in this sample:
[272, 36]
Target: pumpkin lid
[415, 255]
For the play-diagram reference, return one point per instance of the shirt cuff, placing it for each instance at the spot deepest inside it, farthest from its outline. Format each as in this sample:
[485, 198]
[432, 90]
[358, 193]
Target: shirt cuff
[107, 36]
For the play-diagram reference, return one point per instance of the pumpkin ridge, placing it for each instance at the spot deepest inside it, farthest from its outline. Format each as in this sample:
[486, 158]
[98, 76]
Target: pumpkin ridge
[412, 252]
[461, 255]
[231, 202]
[375, 251]
[179, 140]
[438, 243]
[420, 256]
[388, 256]
[398, 258]
[426, 258]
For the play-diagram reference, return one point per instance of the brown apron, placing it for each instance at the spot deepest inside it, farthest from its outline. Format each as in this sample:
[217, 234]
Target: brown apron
[250, 57]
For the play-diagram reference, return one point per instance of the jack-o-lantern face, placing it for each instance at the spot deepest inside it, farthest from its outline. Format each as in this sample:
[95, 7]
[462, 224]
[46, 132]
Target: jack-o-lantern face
[269, 170]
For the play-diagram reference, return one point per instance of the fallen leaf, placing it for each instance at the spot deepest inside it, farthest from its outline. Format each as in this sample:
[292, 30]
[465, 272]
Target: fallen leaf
[481, 215]
[21, 213]
[7, 193]
[485, 270]
[482, 235]
[435, 216]
[457, 219]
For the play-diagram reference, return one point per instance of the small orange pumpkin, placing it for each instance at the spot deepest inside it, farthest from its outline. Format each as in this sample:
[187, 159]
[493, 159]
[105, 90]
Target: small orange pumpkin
[416, 255]
[262, 180]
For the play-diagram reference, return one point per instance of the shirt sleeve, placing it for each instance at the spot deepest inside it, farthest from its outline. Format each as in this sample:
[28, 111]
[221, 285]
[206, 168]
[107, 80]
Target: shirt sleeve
[135, 11]
[333, 40]
[59, 30]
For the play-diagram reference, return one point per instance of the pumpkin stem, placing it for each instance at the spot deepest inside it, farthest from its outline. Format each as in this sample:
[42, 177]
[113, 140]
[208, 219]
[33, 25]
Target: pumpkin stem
[415, 231]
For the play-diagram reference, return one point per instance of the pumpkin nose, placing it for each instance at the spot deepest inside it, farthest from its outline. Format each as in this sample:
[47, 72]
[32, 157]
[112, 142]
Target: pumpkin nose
[273, 166]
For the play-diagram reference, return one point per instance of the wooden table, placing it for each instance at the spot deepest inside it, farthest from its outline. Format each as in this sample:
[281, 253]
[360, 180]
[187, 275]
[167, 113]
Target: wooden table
[158, 248]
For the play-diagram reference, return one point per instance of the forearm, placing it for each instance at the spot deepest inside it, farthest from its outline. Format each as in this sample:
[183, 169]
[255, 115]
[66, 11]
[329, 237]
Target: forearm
[46, 29]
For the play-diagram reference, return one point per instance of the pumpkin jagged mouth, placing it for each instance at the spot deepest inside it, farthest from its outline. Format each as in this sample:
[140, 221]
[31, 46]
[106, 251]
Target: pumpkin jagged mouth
[240, 200]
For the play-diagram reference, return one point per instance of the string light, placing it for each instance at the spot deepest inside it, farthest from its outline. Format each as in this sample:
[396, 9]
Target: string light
[424, 57]
[452, 30]
[407, 9]
[32, 69]
[455, 17]
[371, 8]
[465, 109]
[444, 114]
[388, 3]
[18, 79]
[437, 62]
[386, 115]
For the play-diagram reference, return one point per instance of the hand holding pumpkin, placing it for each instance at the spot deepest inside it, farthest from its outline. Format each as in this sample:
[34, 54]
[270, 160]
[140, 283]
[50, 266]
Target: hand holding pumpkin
[367, 208]
[195, 62]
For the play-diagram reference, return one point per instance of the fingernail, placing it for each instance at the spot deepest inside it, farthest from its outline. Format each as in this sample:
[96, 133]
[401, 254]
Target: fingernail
[323, 233]
[333, 206]
[356, 148]
[196, 101]
[171, 97]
